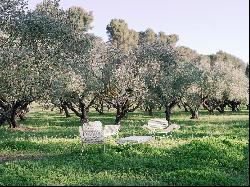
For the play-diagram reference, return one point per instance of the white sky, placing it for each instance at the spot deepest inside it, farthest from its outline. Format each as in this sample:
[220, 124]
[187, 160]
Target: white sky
[206, 26]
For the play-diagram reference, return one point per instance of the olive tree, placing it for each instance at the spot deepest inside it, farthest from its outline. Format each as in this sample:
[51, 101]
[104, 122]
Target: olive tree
[123, 80]
[79, 84]
[215, 85]
[35, 45]
[121, 36]
[167, 77]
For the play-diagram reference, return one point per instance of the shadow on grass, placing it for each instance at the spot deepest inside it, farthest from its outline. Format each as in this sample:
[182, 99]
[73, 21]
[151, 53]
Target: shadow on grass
[49, 124]
[235, 129]
[208, 162]
[46, 118]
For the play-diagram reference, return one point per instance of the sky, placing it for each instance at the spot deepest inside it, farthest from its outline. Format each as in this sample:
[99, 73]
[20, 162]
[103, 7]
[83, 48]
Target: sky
[206, 26]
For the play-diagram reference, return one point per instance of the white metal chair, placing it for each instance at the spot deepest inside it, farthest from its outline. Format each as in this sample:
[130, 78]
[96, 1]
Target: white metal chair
[110, 130]
[94, 133]
[169, 129]
[155, 125]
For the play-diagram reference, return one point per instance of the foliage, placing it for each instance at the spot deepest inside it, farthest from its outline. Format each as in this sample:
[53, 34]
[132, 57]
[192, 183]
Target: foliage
[37, 47]
[48, 56]
[120, 35]
[123, 81]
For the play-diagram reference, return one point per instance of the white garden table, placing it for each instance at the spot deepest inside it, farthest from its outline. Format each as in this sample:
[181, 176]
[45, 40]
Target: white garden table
[135, 139]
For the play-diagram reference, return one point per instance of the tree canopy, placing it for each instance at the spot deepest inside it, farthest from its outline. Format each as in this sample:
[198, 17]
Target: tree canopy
[49, 56]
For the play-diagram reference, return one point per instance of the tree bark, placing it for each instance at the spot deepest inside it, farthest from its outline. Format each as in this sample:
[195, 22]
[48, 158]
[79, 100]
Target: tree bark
[194, 114]
[65, 108]
[99, 110]
[84, 112]
[208, 105]
[12, 119]
[120, 113]
[60, 110]
[84, 109]
[168, 113]
[21, 115]
[234, 107]
[168, 109]
[234, 104]
[150, 111]
[221, 108]
[122, 110]
[21, 105]
[185, 108]
[118, 119]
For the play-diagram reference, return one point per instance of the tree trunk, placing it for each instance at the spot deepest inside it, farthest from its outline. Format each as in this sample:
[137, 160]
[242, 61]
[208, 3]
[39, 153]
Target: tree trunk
[185, 108]
[64, 107]
[21, 115]
[207, 105]
[119, 115]
[211, 111]
[234, 107]
[150, 111]
[194, 114]
[168, 109]
[109, 107]
[123, 108]
[168, 113]
[100, 111]
[221, 108]
[102, 108]
[12, 119]
[84, 116]
[60, 110]
[121, 112]
[66, 112]
[118, 119]
[9, 113]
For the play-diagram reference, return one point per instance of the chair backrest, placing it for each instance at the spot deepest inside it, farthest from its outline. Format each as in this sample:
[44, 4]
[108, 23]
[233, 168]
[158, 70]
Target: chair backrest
[110, 130]
[98, 124]
[158, 121]
[171, 127]
[92, 133]
[94, 124]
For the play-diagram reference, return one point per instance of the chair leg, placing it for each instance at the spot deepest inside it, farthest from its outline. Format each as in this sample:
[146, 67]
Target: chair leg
[104, 148]
[82, 147]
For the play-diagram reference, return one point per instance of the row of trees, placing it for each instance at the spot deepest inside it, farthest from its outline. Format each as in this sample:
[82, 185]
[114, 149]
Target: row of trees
[48, 56]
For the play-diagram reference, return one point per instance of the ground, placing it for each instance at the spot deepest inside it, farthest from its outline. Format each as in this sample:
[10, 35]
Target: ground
[213, 150]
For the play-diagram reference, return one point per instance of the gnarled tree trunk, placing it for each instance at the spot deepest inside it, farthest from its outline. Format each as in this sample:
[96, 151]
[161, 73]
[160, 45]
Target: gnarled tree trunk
[194, 114]
[150, 111]
[167, 113]
[10, 113]
[84, 109]
[168, 109]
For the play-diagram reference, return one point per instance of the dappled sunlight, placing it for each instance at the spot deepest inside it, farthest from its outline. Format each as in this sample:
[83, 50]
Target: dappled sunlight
[143, 163]
[211, 150]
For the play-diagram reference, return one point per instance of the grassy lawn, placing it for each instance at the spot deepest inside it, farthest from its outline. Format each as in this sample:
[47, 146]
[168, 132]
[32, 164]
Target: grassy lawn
[213, 150]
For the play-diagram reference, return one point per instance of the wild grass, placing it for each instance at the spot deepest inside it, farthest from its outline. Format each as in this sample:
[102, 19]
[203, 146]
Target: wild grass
[213, 150]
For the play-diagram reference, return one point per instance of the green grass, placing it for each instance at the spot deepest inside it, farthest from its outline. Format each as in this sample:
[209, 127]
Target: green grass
[213, 150]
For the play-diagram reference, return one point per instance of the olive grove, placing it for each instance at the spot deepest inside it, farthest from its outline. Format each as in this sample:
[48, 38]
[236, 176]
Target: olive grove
[47, 55]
